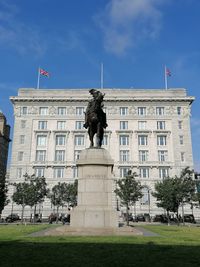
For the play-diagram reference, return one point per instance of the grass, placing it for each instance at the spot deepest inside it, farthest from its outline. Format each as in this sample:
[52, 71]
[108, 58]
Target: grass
[175, 246]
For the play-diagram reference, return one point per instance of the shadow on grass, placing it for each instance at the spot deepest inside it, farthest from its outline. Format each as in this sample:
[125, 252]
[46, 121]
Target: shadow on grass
[21, 253]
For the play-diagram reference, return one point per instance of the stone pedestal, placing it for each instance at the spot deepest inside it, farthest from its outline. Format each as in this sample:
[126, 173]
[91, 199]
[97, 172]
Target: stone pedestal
[95, 182]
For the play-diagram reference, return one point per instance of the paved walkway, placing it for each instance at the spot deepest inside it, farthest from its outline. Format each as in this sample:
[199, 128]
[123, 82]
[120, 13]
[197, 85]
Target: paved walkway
[66, 230]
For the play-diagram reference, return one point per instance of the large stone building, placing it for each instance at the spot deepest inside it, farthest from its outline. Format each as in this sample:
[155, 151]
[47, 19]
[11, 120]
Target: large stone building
[4, 144]
[148, 132]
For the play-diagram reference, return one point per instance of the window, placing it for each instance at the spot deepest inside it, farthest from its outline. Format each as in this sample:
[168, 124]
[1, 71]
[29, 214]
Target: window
[123, 111]
[163, 173]
[80, 110]
[20, 156]
[124, 140]
[180, 124]
[61, 111]
[124, 171]
[61, 125]
[43, 111]
[143, 155]
[123, 125]
[145, 200]
[160, 125]
[42, 125]
[79, 125]
[160, 111]
[142, 125]
[59, 172]
[40, 155]
[60, 155]
[24, 110]
[76, 154]
[181, 139]
[41, 140]
[22, 139]
[124, 155]
[39, 172]
[161, 140]
[179, 110]
[144, 172]
[141, 111]
[23, 124]
[19, 172]
[79, 140]
[182, 156]
[75, 172]
[142, 140]
[162, 155]
[60, 140]
[105, 140]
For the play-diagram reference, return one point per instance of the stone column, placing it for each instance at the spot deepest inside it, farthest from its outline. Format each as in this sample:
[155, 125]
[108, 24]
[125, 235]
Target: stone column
[95, 180]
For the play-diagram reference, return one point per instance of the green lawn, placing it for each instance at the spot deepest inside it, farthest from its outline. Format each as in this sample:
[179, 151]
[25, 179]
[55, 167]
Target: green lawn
[175, 246]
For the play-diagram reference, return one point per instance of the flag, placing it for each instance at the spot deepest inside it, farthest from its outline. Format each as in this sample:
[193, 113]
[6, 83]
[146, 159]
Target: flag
[168, 72]
[44, 73]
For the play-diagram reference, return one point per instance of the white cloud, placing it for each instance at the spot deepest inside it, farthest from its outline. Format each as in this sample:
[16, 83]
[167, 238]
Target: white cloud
[125, 22]
[16, 34]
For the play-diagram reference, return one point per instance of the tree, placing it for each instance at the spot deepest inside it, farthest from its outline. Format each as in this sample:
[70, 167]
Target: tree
[71, 193]
[37, 191]
[63, 193]
[58, 196]
[165, 193]
[175, 191]
[3, 193]
[21, 196]
[129, 191]
[188, 187]
[30, 193]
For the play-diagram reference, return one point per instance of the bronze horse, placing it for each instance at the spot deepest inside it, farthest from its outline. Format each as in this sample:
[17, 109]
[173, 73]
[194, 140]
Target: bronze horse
[95, 118]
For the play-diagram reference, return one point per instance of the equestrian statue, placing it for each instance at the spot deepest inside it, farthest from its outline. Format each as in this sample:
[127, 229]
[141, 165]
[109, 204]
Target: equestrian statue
[95, 117]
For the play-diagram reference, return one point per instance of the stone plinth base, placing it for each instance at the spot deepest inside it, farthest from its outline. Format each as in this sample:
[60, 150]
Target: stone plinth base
[94, 217]
[84, 231]
[95, 183]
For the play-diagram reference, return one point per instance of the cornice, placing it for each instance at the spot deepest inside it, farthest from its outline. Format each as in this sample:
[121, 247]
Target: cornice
[108, 99]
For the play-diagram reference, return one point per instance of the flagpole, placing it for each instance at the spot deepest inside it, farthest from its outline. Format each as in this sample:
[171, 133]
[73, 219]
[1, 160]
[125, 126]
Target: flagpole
[38, 80]
[101, 75]
[166, 78]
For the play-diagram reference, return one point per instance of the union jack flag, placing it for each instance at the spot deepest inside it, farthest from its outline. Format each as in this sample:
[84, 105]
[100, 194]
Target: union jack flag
[168, 72]
[44, 73]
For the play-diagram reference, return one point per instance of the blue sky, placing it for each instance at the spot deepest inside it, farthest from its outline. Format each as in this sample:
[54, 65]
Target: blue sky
[70, 38]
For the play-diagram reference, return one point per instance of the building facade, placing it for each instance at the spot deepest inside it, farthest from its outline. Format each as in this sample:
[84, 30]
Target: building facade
[148, 132]
[4, 144]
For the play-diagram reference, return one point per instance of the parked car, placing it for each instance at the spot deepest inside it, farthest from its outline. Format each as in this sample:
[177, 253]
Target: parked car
[160, 218]
[140, 218]
[189, 218]
[12, 217]
[52, 218]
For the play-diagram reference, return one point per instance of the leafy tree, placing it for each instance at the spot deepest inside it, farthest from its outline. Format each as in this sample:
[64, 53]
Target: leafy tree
[165, 192]
[58, 196]
[37, 191]
[63, 193]
[173, 192]
[129, 191]
[3, 193]
[71, 193]
[21, 196]
[30, 193]
[188, 187]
